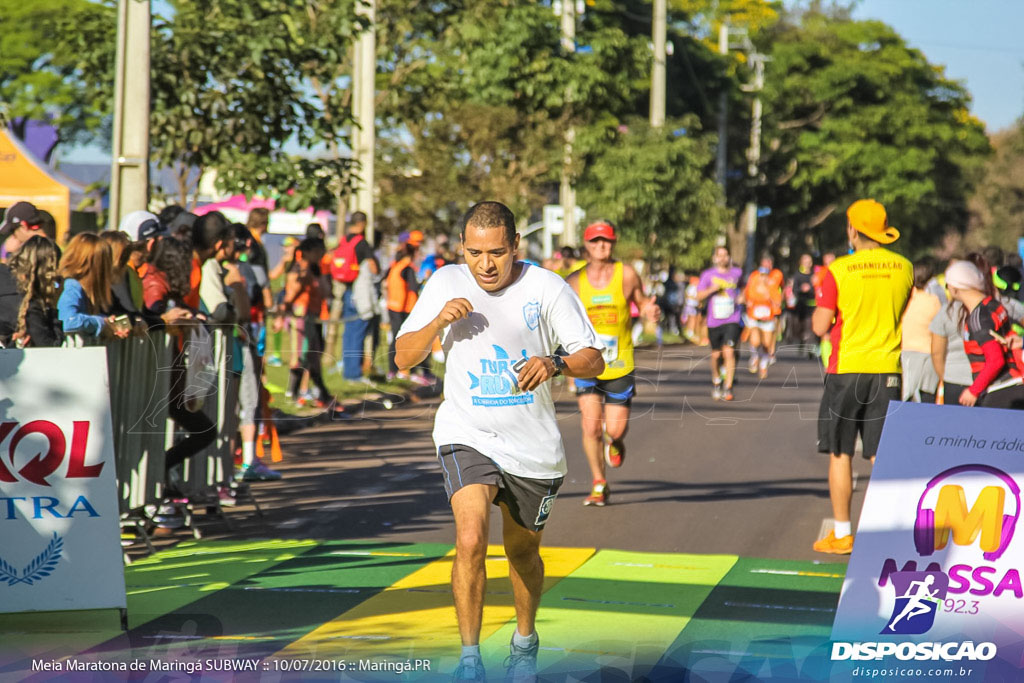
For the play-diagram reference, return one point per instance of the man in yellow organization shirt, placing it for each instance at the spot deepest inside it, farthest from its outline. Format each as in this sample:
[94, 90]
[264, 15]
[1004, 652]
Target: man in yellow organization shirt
[860, 304]
[607, 287]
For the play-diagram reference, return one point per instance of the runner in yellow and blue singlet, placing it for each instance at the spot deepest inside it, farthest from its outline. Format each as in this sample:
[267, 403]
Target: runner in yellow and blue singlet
[607, 287]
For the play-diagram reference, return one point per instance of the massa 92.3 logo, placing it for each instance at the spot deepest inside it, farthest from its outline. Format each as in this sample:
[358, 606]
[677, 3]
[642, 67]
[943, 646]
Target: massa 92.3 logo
[918, 598]
[987, 517]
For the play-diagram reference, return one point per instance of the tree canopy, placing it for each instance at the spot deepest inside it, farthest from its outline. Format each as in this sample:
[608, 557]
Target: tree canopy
[851, 111]
[475, 98]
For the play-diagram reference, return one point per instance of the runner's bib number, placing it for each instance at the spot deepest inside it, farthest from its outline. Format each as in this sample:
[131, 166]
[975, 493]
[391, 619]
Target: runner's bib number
[611, 348]
[762, 312]
[722, 306]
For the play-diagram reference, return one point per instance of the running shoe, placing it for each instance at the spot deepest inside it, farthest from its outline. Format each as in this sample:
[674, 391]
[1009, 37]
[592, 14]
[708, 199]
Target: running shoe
[521, 663]
[835, 546]
[470, 669]
[752, 364]
[598, 495]
[716, 392]
[167, 516]
[257, 471]
[613, 455]
[727, 394]
[226, 497]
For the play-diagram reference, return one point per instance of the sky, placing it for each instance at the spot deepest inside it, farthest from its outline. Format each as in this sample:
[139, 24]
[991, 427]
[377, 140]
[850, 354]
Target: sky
[978, 41]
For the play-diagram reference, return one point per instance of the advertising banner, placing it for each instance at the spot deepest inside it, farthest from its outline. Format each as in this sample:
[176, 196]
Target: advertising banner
[937, 555]
[59, 532]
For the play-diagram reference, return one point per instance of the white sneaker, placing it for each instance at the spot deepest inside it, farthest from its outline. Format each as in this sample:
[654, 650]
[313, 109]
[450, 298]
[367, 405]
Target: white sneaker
[521, 663]
[470, 669]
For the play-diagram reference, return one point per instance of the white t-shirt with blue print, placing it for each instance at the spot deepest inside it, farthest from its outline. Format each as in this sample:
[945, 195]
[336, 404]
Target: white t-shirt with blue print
[483, 407]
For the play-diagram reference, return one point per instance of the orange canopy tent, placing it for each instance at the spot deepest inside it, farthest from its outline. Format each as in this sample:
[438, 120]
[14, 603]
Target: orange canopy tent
[25, 178]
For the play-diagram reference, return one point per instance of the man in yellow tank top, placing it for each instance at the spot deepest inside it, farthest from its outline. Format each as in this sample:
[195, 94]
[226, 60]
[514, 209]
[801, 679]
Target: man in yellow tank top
[607, 287]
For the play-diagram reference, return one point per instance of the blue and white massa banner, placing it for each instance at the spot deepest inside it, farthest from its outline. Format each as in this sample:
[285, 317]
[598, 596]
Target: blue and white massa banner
[59, 529]
[939, 549]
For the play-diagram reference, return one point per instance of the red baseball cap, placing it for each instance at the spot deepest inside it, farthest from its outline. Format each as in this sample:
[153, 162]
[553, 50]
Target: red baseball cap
[599, 230]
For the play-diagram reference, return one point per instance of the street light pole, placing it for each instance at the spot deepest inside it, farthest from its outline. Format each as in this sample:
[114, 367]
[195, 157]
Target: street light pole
[129, 171]
[658, 35]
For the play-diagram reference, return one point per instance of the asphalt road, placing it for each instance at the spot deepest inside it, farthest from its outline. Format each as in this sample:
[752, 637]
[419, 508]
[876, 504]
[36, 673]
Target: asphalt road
[700, 476]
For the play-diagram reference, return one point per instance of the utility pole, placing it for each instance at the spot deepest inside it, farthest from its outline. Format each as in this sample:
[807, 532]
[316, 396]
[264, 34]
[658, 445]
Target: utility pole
[757, 60]
[566, 190]
[658, 36]
[129, 172]
[723, 120]
[364, 134]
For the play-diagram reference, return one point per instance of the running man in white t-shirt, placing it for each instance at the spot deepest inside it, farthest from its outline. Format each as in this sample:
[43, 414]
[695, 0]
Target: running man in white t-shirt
[500, 321]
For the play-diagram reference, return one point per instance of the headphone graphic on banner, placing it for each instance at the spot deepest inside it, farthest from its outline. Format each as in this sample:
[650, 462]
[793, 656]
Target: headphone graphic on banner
[924, 526]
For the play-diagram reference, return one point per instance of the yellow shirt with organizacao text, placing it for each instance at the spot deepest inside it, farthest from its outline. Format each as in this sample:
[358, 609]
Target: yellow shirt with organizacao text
[608, 311]
[868, 290]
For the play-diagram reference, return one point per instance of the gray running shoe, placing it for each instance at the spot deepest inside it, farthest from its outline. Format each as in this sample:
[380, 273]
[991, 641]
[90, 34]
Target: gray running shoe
[521, 663]
[469, 669]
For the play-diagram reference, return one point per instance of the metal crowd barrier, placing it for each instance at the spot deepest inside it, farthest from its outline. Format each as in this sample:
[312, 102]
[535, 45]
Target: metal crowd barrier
[214, 466]
[140, 380]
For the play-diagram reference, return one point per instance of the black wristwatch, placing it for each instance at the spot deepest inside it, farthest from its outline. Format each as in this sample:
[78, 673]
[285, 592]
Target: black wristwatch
[559, 362]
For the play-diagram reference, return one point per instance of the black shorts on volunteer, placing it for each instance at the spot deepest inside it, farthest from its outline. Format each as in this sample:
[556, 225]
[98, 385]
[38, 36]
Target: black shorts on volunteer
[529, 501]
[615, 392]
[724, 335]
[855, 403]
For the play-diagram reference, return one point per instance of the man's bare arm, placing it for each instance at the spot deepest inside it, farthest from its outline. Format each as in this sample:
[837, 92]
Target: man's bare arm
[821, 322]
[413, 347]
[635, 293]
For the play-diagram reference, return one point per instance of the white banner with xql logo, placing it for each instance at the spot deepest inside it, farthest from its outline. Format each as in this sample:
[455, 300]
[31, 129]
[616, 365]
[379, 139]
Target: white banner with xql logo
[939, 549]
[59, 532]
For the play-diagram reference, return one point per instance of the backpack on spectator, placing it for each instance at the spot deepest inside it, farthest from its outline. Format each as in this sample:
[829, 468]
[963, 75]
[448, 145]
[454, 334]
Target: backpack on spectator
[344, 263]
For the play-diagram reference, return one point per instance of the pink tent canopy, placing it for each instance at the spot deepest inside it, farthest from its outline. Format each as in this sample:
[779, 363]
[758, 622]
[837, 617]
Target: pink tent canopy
[237, 209]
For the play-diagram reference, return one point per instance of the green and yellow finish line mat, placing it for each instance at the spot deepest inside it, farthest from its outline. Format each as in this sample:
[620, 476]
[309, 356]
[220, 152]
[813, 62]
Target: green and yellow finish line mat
[344, 610]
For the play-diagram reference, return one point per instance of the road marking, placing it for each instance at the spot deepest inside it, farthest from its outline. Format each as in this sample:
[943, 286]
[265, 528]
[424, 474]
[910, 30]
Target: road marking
[600, 609]
[785, 572]
[373, 553]
[794, 608]
[416, 612]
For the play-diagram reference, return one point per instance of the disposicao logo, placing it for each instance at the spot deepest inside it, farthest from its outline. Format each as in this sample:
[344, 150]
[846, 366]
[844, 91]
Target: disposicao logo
[918, 597]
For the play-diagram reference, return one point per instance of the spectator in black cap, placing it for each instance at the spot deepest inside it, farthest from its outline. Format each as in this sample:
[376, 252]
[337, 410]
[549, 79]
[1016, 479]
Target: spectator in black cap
[21, 221]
